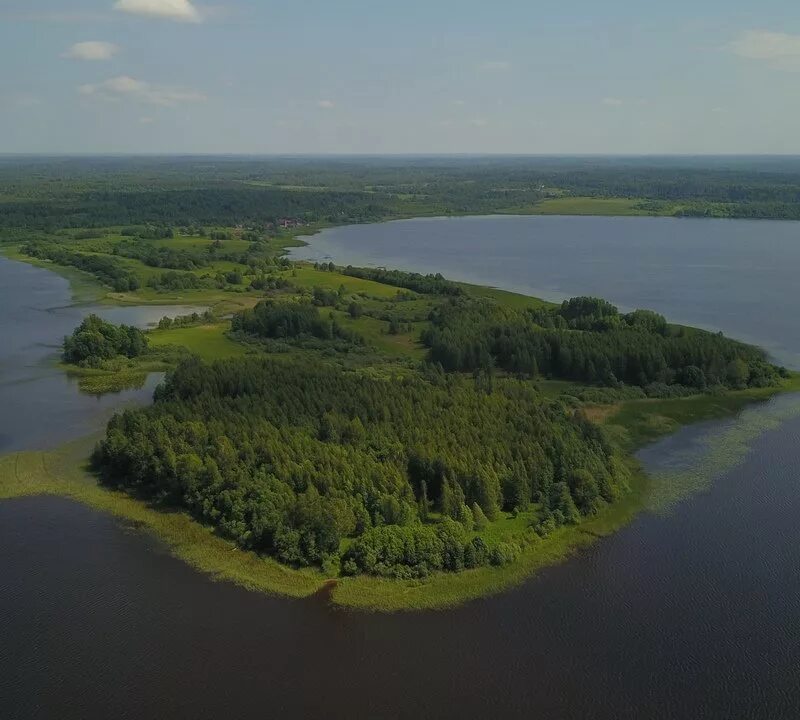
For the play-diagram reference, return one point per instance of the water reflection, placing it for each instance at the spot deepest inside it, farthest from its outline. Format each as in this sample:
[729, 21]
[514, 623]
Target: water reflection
[41, 406]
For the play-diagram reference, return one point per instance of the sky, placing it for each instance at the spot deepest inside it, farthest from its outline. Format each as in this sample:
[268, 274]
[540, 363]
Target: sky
[417, 76]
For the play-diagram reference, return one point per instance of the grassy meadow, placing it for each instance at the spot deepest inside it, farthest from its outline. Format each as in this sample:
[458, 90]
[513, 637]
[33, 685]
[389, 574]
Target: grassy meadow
[570, 205]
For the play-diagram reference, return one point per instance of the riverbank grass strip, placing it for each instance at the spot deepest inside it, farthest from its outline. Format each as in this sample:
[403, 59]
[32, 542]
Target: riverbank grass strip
[63, 473]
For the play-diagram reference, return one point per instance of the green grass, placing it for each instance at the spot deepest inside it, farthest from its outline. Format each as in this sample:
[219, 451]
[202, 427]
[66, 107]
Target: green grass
[306, 276]
[504, 297]
[210, 342]
[63, 473]
[188, 242]
[102, 382]
[375, 333]
[589, 206]
[223, 302]
[638, 422]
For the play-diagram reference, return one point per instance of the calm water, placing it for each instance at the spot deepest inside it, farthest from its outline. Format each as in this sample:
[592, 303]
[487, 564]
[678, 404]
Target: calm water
[738, 276]
[39, 405]
[694, 613]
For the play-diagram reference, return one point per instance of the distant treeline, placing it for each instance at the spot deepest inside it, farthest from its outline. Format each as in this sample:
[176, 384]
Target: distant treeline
[204, 205]
[432, 284]
[182, 192]
[105, 268]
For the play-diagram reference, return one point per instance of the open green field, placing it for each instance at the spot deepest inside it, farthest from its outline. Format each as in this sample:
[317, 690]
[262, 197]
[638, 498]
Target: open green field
[193, 242]
[375, 333]
[512, 299]
[209, 342]
[306, 276]
[569, 205]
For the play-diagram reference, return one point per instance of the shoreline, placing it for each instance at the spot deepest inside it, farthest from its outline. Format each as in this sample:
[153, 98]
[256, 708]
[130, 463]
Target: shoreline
[62, 472]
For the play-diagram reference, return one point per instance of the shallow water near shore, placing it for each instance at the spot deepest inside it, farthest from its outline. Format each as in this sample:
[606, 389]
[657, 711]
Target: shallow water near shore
[40, 407]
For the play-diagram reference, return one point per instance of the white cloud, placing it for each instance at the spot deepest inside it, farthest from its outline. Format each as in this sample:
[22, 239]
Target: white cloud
[326, 104]
[181, 10]
[92, 50]
[127, 87]
[495, 66]
[612, 101]
[146, 120]
[479, 122]
[780, 51]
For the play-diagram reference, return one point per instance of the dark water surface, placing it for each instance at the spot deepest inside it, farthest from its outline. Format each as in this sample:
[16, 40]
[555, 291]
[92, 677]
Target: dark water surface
[691, 613]
[695, 614]
[39, 405]
[738, 276]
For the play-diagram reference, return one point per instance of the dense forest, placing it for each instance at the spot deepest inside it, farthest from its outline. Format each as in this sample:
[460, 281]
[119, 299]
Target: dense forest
[398, 474]
[51, 194]
[589, 340]
[288, 320]
[292, 458]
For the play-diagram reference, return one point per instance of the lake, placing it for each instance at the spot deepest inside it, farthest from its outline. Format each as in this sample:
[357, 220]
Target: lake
[40, 407]
[691, 614]
[691, 611]
[738, 276]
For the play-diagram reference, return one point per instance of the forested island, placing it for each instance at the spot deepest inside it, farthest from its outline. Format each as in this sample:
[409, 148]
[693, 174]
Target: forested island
[400, 475]
[419, 441]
